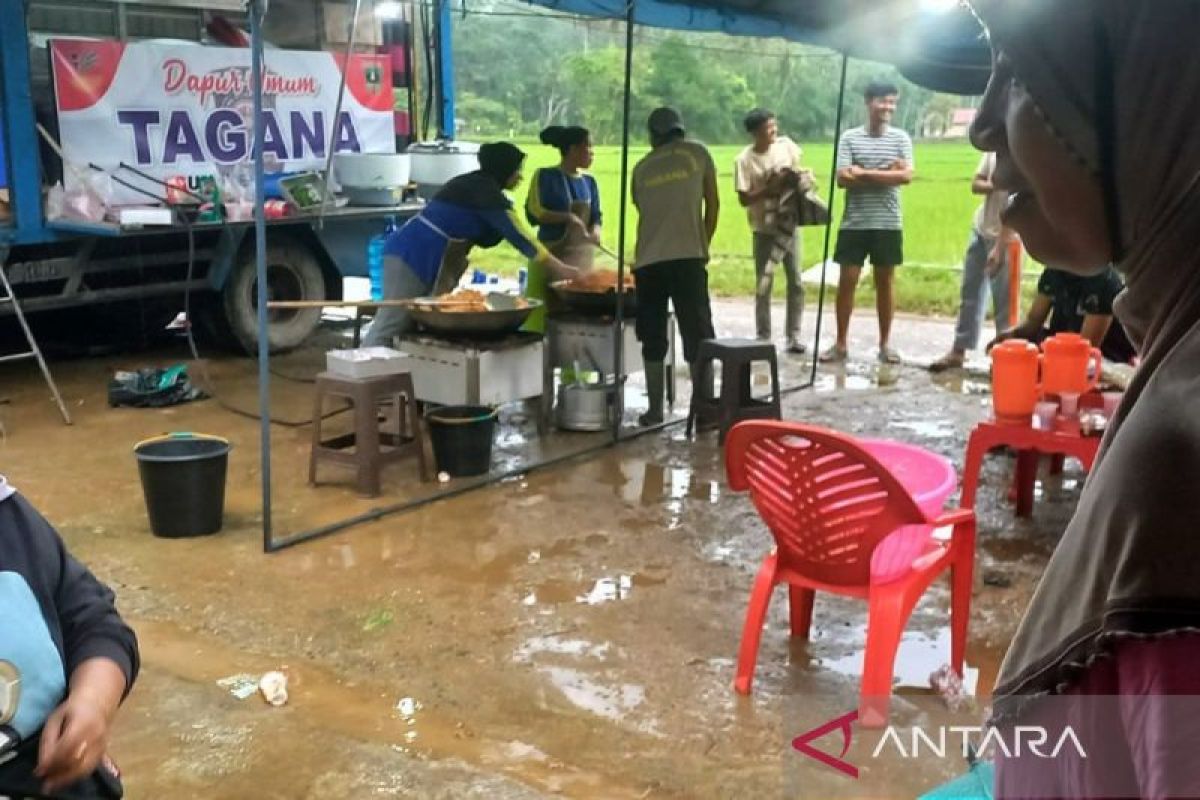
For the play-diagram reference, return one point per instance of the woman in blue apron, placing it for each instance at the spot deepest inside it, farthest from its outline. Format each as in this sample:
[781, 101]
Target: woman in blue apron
[564, 204]
[429, 254]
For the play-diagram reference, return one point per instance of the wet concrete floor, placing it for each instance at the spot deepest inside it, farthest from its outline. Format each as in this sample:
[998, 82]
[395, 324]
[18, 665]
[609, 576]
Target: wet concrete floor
[566, 632]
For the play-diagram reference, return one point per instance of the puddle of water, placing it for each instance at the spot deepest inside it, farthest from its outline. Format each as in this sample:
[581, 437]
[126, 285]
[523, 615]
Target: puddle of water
[927, 428]
[839, 381]
[610, 702]
[919, 656]
[557, 645]
[606, 590]
[646, 483]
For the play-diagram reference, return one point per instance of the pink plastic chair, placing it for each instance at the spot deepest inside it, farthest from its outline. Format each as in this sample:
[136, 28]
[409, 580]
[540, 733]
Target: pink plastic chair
[831, 501]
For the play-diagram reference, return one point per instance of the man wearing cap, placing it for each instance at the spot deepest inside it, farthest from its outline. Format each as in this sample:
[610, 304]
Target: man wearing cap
[675, 191]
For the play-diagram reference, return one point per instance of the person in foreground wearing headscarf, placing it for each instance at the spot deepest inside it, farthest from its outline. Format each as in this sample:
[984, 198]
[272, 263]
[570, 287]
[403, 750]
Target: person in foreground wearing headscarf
[429, 253]
[67, 661]
[1090, 113]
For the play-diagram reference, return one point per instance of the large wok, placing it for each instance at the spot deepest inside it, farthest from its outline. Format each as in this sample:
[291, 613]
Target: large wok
[593, 302]
[504, 315]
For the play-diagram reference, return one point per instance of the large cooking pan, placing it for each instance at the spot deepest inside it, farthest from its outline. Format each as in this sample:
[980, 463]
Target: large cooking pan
[593, 302]
[503, 316]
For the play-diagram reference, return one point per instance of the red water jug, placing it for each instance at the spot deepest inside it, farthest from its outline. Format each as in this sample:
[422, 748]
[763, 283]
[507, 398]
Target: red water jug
[1070, 365]
[1015, 388]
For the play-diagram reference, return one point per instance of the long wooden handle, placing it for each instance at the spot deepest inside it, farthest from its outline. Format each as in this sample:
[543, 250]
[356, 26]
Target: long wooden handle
[407, 303]
[281, 304]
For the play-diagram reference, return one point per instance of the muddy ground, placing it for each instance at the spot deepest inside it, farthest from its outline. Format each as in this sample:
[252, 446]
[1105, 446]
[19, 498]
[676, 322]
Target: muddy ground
[570, 631]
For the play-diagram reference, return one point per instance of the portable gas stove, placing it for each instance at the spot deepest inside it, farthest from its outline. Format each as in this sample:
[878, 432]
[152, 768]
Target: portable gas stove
[475, 371]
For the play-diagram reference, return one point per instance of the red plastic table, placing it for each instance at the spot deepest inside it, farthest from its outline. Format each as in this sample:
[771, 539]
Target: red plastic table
[1030, 443]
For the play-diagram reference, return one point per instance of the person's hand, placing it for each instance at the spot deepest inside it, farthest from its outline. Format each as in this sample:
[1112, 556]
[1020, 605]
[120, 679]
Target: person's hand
[1003, 336]
[73, 741]
[995, 259]
[856, 171]
[898, 165]
[573, 221]
[562, 271]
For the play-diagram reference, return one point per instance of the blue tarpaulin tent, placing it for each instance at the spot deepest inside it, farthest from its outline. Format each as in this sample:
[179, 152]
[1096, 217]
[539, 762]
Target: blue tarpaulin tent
[938, 45]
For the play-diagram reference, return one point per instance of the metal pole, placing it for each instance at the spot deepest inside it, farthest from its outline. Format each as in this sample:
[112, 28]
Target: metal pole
[445, 61]
[258, 10]
[18, 122]
[337, 113]
[837, 135]
[619, 329]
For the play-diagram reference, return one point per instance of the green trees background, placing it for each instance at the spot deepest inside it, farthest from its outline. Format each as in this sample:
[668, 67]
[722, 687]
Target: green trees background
[520, 68]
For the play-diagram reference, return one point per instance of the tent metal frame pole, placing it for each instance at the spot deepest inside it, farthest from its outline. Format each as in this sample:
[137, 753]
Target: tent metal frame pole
[837, 137]
[619, 328]
[258, 10]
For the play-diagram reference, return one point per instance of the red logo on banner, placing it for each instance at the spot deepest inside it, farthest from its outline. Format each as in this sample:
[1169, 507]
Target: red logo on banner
[83, 71]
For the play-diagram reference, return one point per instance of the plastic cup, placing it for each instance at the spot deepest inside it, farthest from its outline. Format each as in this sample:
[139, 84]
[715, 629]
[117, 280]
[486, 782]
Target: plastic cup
[1070, 403]
[1045, 413]
[1111, 401]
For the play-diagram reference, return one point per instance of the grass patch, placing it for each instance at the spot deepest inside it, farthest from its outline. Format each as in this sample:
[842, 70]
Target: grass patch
[938, 210]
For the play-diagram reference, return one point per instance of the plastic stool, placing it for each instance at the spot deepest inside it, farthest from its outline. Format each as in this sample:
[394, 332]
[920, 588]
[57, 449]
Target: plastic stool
[737, 401]
[367, 448]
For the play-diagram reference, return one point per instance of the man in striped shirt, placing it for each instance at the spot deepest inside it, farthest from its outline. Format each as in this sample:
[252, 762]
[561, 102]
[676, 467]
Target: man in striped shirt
[874, 161]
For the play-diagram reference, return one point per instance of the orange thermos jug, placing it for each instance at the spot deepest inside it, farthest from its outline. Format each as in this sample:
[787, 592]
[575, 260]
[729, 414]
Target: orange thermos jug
[1070, 364]
[1015, 388]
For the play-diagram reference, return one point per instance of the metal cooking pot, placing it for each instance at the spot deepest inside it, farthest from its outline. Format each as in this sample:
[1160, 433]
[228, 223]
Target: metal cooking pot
[372, 170]
[586, 407]
[435, 163]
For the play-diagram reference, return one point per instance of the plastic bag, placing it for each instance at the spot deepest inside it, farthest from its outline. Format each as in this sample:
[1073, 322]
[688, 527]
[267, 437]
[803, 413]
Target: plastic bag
[153, 388]
[86, 197]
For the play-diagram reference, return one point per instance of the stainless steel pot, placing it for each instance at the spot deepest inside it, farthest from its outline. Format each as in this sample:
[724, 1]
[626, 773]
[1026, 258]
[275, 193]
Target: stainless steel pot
[586, 407]
[435, 163]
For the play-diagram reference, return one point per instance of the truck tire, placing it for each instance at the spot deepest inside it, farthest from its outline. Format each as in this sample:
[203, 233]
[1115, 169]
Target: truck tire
[293, 273]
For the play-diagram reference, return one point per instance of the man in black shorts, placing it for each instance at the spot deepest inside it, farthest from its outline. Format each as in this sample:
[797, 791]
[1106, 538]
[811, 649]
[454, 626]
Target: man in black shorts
[874, 161]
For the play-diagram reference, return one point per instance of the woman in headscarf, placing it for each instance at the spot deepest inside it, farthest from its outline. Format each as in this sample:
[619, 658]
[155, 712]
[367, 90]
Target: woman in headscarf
[1090, 112]
[429, 254]
[564, 204]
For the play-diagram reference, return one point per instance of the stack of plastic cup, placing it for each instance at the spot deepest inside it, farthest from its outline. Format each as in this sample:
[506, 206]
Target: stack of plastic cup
[1044, 413]
[1070, 403]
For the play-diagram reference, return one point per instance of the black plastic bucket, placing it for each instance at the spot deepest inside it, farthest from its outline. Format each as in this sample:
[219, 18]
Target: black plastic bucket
[183, 479]
[462, 438]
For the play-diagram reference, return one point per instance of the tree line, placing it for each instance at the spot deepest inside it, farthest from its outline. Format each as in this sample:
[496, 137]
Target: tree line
[518, 72]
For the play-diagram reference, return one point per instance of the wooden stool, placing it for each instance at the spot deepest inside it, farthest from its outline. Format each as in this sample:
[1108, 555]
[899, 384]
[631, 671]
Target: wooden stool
[368, 448]
[737, 401]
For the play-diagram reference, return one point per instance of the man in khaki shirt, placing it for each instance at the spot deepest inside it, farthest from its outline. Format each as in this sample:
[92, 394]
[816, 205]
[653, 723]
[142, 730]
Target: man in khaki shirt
[675, 191]
[758, 177]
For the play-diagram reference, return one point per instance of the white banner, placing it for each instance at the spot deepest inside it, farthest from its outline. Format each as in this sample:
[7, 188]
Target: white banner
[177, 110]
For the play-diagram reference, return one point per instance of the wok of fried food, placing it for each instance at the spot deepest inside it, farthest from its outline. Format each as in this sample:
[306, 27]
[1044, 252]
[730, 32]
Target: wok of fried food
[467, 301]
[598, 280]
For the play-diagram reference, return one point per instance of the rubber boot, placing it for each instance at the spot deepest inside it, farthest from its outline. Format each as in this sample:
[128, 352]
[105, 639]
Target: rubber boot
[655, 379]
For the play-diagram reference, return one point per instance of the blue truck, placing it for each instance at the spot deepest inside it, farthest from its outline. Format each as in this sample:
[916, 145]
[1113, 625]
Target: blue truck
[76, 273]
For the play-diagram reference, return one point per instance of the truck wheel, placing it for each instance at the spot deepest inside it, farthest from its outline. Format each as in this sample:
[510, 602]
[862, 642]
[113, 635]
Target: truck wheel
[293, 273]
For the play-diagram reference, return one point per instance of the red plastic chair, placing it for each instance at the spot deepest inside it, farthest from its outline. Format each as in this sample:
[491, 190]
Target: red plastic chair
[829, 503]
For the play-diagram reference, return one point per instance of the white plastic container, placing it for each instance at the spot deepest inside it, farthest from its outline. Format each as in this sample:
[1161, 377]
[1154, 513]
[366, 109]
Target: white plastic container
[366, 362]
